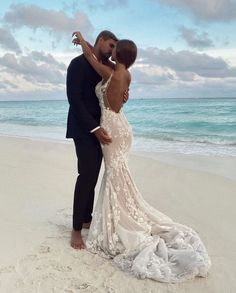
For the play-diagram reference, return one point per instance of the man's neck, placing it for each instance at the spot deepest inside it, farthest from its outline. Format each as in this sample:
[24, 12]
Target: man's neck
[96, 53]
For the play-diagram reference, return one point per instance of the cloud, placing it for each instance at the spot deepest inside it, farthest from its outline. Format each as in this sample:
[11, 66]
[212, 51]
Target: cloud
[57, 22]
[47, 58]
[106, 4]
[8, 42]
[33, 94]
[202, 65]
[114, 3]
[195, 40]
[180, 88]
[212, 10]
[151, 74]
[171, 74]
[6, 84]
[30, 69]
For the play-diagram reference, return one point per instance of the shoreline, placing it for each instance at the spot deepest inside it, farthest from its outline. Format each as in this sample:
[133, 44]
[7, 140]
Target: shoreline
[219, 165]
[36, 190]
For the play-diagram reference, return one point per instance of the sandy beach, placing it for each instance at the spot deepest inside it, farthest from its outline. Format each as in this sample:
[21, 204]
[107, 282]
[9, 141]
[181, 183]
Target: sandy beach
[36, 192]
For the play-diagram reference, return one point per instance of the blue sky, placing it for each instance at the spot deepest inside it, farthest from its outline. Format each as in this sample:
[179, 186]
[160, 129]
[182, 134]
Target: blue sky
[186, 48]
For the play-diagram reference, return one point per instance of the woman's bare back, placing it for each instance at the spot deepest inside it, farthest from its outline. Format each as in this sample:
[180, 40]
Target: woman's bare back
[119, 83]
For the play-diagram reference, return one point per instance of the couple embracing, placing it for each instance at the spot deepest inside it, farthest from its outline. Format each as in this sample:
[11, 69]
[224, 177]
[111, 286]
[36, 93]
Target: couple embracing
[140, 239]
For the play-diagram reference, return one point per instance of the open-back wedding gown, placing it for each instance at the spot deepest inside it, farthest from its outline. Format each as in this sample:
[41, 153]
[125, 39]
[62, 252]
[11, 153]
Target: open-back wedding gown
[140, 239]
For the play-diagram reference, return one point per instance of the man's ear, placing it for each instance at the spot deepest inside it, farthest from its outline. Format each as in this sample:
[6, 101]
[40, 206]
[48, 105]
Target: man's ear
[100, 40]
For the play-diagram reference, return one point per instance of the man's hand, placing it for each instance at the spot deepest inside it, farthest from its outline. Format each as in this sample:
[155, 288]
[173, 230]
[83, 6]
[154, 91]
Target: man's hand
[102, 136]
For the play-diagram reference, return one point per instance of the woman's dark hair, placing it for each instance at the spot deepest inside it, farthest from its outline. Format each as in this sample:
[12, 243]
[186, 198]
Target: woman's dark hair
[106, 35]
[126, 52]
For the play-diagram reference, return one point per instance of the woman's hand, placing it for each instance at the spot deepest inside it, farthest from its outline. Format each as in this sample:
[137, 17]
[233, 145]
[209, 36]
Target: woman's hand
[78, 38]
[103, 70]
[126, 96]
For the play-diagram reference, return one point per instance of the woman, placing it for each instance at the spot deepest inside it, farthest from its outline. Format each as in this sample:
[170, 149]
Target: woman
[140, 239]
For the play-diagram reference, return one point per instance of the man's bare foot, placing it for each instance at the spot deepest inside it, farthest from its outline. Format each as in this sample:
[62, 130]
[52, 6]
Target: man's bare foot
[86, 225]
[76, 240]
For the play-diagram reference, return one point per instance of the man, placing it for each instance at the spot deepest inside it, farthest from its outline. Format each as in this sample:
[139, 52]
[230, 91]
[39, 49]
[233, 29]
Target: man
[83, 126]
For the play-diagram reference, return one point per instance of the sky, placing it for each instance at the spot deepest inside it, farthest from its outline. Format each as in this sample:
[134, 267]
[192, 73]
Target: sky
[186, 48]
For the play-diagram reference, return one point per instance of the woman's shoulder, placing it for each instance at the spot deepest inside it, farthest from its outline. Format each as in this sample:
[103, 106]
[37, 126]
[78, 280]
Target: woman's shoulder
[128, 76]
[122, 75]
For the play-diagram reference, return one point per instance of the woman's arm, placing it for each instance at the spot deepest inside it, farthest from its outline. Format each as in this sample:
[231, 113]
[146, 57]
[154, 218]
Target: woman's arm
[103, 70]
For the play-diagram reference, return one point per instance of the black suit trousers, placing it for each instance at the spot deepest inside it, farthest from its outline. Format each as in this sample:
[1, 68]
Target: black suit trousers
[89, 155]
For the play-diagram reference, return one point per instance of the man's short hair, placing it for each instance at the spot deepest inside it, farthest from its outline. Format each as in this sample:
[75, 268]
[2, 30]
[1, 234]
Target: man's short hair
[106, 35]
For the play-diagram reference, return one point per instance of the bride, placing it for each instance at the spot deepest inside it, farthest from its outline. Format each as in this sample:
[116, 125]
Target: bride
[140, 239]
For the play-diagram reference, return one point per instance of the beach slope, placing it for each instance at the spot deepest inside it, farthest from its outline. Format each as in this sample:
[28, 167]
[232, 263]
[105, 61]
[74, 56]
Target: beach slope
[36, 193]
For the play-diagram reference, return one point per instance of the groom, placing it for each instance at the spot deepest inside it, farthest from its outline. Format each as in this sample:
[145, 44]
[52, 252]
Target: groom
[83, 126]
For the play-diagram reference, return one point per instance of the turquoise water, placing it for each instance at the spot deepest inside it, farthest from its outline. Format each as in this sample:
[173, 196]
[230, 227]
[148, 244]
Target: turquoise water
[194, 126]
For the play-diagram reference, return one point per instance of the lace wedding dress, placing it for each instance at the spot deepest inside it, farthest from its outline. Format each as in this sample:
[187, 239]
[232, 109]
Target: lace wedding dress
[140, 239]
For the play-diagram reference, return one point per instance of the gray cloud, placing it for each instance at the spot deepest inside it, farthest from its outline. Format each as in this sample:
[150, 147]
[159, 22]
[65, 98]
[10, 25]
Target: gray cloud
[144, 76]
[187, 61]
[30, 70]
[37, 94]
[212, 10]
[7, 41]
[185, 89]
[47, 58]
[6, 84]
[57, 22]
[106, 4]
[114, 3]
[194, 39]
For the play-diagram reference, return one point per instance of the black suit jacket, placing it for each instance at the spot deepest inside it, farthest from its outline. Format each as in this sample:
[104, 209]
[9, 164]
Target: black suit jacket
[84, 110]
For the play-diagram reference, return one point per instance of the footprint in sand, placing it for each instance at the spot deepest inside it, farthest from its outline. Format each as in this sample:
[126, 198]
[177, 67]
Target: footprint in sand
[44, 249]
[7, 269]
[61, 268]
[67, 212]
[109, 289]
[76, 284]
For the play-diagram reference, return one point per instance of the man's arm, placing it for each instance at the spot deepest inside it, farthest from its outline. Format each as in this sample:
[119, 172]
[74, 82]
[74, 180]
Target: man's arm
[75, 84]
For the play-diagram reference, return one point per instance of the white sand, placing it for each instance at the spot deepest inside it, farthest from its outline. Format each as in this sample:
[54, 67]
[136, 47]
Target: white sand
[36, 193]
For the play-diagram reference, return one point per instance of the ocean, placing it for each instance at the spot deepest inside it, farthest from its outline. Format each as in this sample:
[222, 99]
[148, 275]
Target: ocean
[187, 126]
